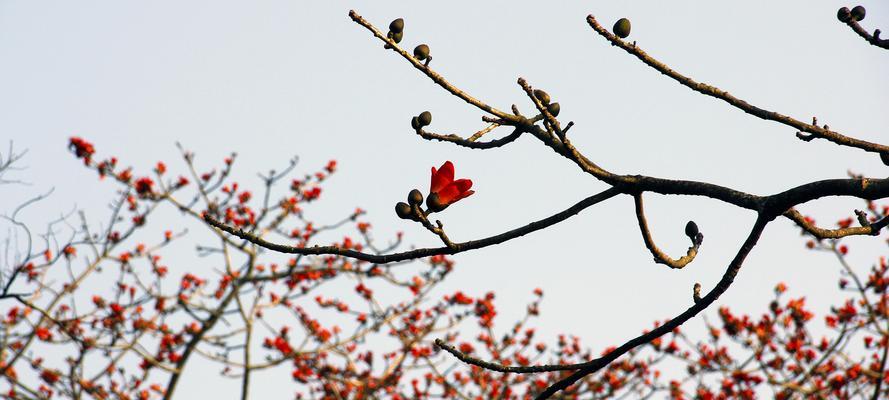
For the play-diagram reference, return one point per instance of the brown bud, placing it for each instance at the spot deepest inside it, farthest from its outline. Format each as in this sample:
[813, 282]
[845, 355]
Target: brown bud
[691, 230]
[858, 13]
[415, 198]
[396, 36]
[844, 15]
[554, 109]
[425, 118]
[421, 52]
[397, 26]
[622, 28]
[542, 96]
[403, 210]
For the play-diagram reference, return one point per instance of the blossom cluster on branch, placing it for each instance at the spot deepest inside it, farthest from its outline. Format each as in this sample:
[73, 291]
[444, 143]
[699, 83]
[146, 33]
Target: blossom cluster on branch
[104, 313]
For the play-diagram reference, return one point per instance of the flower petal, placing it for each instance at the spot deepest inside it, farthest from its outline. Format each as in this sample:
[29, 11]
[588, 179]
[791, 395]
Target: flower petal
[448, 194]
[441, 177]
[463, 184]
[465, 194]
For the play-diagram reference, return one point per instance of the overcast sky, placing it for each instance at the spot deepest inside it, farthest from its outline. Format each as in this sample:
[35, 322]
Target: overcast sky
[273, 79]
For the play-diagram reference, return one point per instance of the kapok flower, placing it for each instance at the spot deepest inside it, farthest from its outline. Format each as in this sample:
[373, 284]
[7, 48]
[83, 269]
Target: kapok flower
[82, 148]
[444, 190]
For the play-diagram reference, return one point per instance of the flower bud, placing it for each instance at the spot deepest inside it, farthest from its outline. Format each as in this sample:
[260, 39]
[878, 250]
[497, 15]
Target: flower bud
[397, 36]
[542, 96]
[691, 230]
[397, 26]
[622, 28]
[858, 13]
[403, 210]
[433, 204]
[421, 52]
[424, 119]
[844, 15]
[554, 109]
[415, 198]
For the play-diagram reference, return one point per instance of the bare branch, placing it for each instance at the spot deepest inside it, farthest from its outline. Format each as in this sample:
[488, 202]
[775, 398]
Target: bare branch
[703, 88]
[727, 278]
[438, 79]
[471, 142]
[659, 256]
[856, 27]
[871, 229]
[423, 252]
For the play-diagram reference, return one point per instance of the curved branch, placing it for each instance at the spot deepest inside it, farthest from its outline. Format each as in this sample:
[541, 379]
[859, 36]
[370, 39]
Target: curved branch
[814, 130]
[863, 188]
[423, 252]
[503, 368]
[470, 143]
[727, 278]
[871, 229]
[659, 256]
[872, 39]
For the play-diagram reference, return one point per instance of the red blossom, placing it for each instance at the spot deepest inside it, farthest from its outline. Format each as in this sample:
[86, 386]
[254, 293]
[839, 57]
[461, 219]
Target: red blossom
[444, 189]
[780, 288]
[50, 376]
[69, 251]
[144, 185]
[82, 148]
[43, 334]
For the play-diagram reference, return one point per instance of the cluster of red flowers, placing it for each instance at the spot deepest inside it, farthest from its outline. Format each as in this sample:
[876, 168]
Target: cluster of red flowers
[169, 312]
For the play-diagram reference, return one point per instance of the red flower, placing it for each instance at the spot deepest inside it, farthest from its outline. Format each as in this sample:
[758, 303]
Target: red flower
[82, 148]
[144, 186]
[444, 190]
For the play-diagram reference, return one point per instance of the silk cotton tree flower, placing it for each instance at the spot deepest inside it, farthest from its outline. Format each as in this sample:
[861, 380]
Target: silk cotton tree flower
[444, 190]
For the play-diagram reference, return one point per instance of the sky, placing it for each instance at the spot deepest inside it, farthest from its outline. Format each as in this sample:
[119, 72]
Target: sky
[275, 79]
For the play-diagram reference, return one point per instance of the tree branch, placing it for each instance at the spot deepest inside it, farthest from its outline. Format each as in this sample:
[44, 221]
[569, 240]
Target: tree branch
[659, 256]
[727, 278]
[871, 229]
[872, 39]
[438, 79]
[423, 252]
[814, 130]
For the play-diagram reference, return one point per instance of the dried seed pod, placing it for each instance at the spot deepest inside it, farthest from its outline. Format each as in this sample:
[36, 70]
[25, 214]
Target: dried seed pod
[622, 28]
[415, 123]
[884, 157]
[421, 52]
